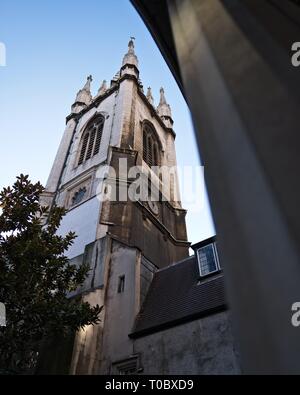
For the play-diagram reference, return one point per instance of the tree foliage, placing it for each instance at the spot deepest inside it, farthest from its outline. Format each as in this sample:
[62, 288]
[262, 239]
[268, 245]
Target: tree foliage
[35, 276]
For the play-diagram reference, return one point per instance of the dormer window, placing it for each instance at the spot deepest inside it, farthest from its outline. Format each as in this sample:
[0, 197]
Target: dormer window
[91, 139]
[208, 260]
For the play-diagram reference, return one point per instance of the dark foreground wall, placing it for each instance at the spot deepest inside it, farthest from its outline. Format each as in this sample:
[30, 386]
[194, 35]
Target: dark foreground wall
[232, 59]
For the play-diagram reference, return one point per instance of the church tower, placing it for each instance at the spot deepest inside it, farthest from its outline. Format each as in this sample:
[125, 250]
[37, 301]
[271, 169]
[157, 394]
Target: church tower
[125, 210]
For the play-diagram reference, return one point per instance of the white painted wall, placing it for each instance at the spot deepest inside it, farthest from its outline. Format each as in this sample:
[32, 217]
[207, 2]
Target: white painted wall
[82, 220]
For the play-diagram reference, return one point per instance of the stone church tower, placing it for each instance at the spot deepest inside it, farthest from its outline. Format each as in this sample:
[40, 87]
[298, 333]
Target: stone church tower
[124, 240]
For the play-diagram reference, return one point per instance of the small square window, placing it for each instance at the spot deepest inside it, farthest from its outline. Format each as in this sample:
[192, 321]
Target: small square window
[121, 284]
[208, 261]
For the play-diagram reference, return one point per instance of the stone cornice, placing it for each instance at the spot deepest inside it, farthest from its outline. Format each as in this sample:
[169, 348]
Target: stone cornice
[131, 66]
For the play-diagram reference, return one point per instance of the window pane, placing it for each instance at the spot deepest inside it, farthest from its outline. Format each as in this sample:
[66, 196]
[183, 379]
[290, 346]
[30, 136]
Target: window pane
[145, 149]
[91, 139]
[121, 284]
[98, 138]
[206, 260]
[149, 153]
[83, 148]
[91, 144]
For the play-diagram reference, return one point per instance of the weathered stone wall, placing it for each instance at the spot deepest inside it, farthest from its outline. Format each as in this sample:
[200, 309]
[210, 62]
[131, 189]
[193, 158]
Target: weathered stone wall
[162, 238]
[86, 355]
[203, 346]
[121, 308]
[146, 275]
[95, 255]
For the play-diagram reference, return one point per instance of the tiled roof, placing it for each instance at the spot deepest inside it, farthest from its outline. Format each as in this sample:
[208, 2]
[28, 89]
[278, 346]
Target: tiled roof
[176, 296]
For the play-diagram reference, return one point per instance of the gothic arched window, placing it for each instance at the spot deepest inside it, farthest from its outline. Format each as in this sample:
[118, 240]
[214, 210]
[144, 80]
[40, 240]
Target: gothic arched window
[150, 146]
[91, 139]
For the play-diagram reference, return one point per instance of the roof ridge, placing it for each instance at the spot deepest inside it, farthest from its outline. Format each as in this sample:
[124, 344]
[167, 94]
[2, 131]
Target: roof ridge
[175, 264]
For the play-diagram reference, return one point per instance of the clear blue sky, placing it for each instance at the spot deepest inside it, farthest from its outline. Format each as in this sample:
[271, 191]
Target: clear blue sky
[51, 47]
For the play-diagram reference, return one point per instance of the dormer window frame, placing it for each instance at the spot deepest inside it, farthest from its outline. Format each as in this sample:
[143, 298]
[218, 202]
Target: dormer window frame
[209, 244]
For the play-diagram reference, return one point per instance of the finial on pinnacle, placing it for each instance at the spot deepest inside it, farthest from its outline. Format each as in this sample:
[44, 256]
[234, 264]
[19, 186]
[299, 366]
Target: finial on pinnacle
[102, 88]
[87, 85]
[149, 95]
[130, 57]
[83, 97]
[164, 109]
[162, 96]
[131, 45]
